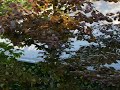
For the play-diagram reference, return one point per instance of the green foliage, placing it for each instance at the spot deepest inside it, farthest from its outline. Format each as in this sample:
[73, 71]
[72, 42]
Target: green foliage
[54, 76]
[8, 52]
[4, 5]
[28, 22]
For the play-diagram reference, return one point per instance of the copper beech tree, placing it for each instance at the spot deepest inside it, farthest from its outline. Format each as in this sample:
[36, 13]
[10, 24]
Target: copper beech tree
[47, 21]
[50, 23]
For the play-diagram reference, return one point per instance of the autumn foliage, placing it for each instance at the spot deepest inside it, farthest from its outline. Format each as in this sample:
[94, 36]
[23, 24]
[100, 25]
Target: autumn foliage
[38, 18]
[51, 22]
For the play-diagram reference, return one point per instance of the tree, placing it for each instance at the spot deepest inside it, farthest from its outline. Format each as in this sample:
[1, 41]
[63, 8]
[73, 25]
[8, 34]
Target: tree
[50, 22]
